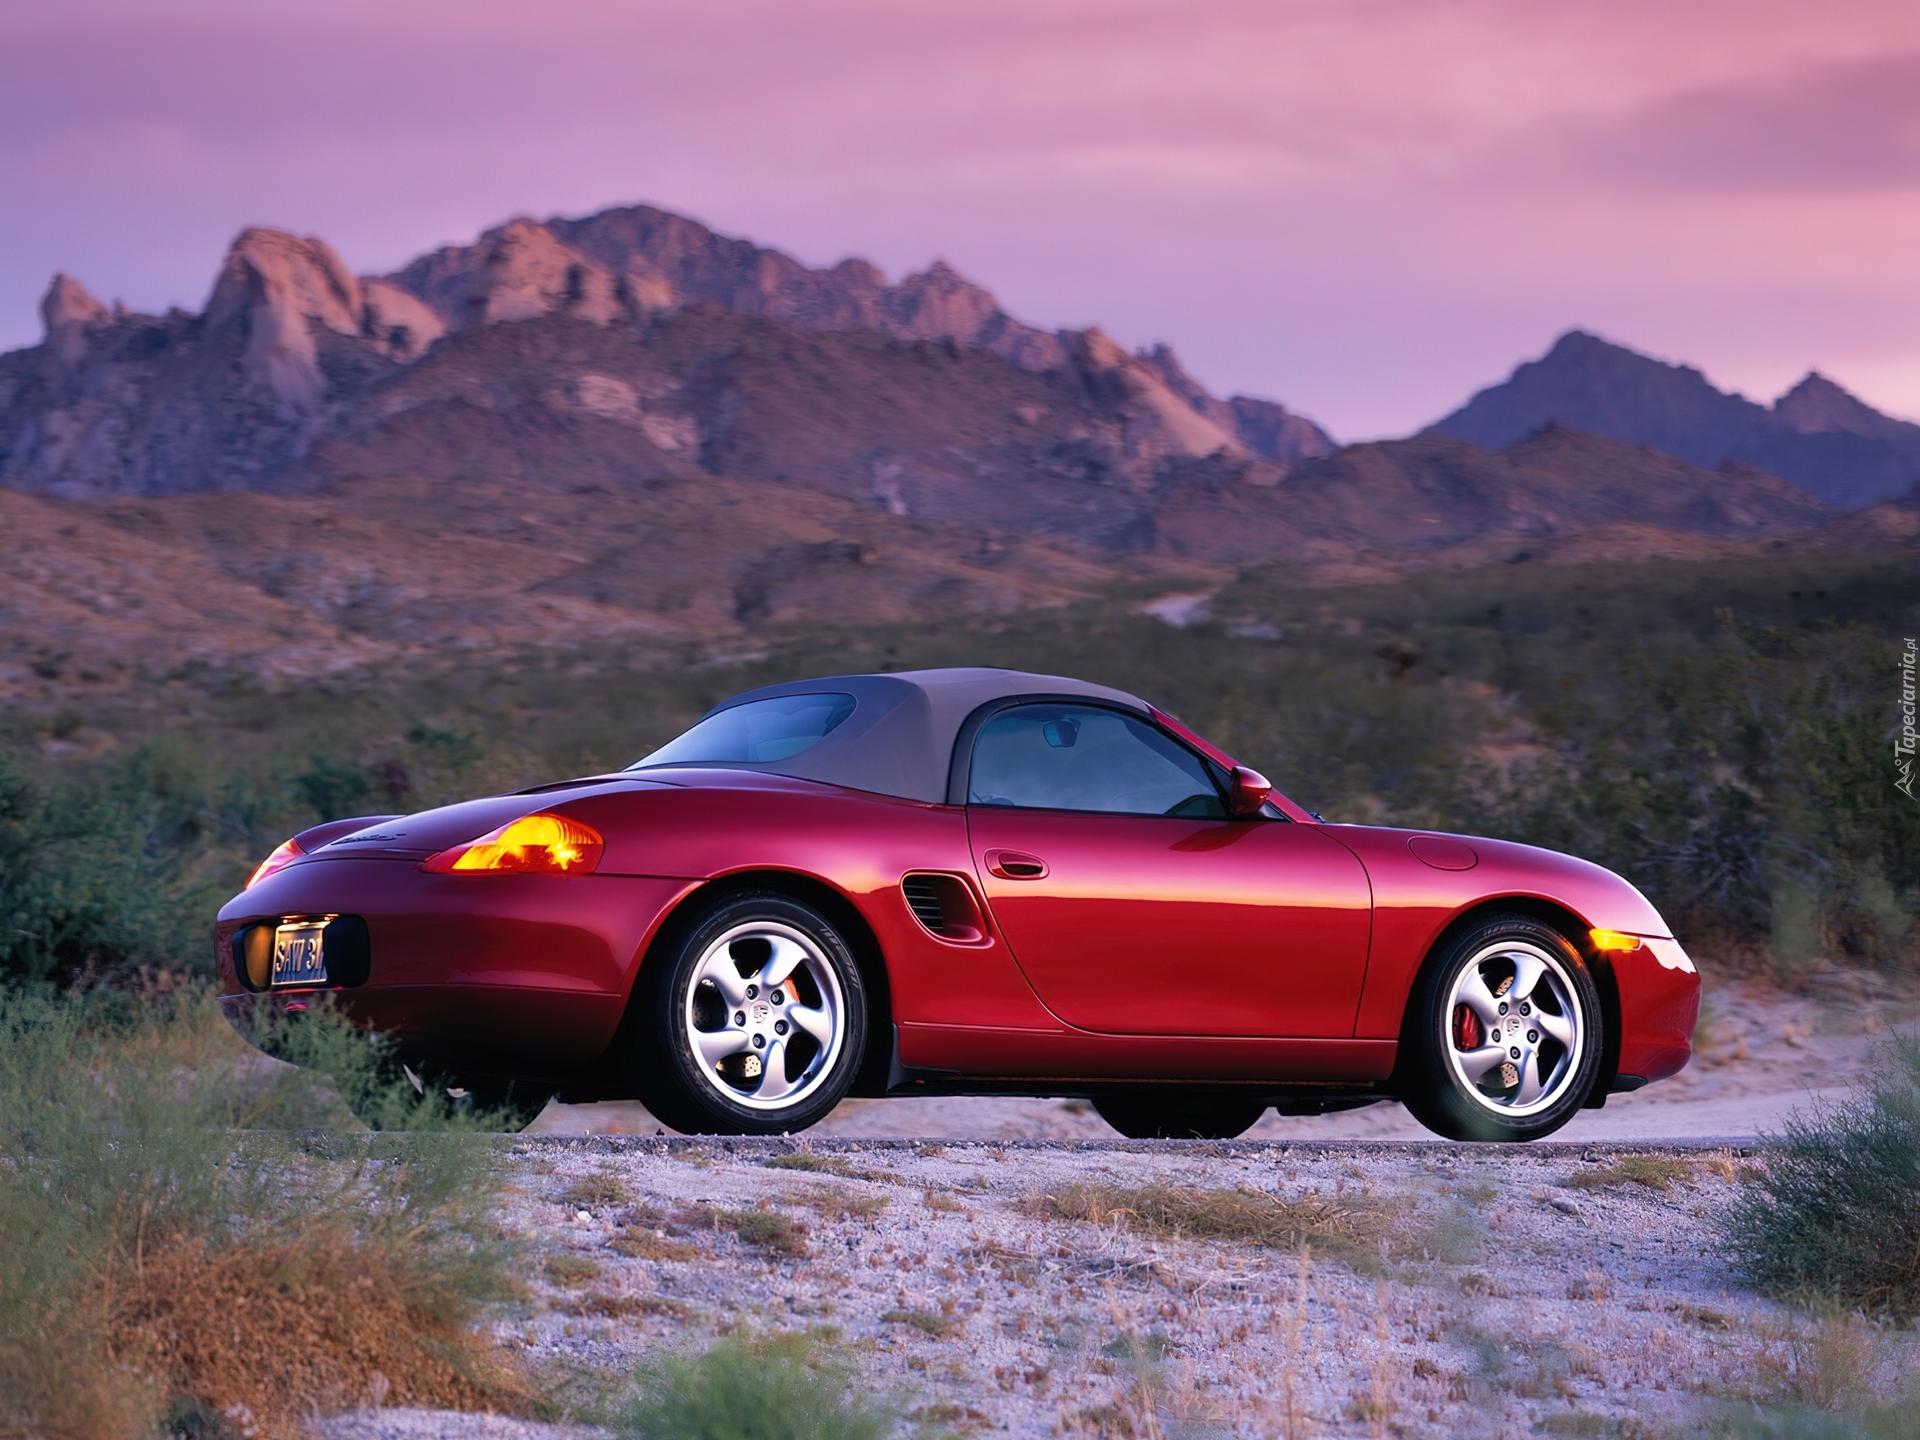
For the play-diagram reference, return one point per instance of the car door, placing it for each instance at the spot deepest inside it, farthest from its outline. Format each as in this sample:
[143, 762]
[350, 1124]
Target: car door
[1135, 906]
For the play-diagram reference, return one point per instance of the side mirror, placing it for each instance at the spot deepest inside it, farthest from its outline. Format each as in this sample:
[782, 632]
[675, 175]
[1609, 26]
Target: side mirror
[1247, 791]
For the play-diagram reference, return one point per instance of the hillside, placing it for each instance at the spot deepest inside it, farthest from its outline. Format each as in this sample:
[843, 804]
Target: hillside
[1825, 440]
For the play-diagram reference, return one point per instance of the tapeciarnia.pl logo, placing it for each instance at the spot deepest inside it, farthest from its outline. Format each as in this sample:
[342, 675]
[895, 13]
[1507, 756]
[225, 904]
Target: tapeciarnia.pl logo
[1906, 741]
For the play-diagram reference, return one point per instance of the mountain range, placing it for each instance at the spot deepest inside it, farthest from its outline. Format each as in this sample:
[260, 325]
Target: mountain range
[626, 426]
[1828, 442]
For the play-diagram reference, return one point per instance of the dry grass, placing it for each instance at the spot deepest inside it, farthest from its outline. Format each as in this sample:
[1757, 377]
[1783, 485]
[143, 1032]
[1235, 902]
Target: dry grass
[1349, 1227]
[570, 1269]
[925, 1321]
[806, 1160]
[627, 1307]
[320, 1321]
[1656, 1172]
[838, 1204]
[591, 1190]
[641, 1242]
[767, 1230]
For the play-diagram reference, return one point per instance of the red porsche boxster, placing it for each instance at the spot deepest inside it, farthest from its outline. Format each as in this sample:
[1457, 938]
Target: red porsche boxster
[963, 881]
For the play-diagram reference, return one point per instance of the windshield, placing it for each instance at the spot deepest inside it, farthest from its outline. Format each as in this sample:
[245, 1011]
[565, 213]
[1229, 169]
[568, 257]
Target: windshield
[760, 730]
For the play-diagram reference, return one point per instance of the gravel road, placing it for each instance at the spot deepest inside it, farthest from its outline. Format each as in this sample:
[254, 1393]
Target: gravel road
[1461, 1288]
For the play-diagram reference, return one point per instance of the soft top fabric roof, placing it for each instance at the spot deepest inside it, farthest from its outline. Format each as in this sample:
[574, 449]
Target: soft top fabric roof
[899, 739]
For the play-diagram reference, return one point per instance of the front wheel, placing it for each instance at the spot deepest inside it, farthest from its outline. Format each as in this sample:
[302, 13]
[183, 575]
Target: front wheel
[1178, 1115]
[754, 1021]
[1503, 1034]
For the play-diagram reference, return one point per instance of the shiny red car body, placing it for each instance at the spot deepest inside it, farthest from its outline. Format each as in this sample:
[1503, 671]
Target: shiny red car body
[1274, 951]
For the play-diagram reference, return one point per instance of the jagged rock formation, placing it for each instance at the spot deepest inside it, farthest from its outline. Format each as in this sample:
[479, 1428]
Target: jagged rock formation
[294, 351]
[1828, 442]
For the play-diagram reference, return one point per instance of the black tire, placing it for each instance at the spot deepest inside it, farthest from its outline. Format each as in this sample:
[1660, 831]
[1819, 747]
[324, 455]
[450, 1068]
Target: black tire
[1154, 1114]
[1450, 1034]
[738, 942]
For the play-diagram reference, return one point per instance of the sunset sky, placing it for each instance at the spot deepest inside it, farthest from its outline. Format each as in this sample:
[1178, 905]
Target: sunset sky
[1364, 208]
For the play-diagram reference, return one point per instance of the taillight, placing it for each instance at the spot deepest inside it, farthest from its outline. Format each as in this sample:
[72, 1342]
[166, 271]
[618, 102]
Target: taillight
[283, 855]
[531, 845]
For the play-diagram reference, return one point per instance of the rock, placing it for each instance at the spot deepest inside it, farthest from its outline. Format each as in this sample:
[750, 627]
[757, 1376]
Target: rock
[397, 321]
[70, 312]
[277, 287]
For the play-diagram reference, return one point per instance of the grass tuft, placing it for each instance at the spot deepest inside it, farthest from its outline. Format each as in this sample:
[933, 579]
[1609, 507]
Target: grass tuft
[1656, 1172]
[1833, 1217]
[807, 1160]
[768, 1230]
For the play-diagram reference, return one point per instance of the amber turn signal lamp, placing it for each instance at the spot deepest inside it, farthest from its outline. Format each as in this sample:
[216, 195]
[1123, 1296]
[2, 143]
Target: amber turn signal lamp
[1617, 940]
[283, 855]
[531, 845]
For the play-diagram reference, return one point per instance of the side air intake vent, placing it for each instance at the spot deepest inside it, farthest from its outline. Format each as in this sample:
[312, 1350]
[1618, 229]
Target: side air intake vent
[924, 897]
[945, 906]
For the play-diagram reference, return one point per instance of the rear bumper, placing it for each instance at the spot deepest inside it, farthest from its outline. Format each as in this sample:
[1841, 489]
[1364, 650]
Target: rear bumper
[510, 972]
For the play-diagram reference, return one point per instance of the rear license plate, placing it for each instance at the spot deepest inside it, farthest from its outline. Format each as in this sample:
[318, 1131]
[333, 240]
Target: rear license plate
[296, 955]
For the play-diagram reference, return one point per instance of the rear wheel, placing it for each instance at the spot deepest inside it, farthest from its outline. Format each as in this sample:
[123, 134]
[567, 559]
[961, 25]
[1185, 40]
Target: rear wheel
[755, 1020]
[1503, 1034]
[1179, 1115]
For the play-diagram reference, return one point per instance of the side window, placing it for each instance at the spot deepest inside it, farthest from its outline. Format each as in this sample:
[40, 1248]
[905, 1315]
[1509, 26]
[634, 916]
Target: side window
[1070, 757]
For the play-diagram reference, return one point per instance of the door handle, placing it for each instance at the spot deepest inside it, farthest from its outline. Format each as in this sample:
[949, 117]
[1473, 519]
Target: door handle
[1015, 865]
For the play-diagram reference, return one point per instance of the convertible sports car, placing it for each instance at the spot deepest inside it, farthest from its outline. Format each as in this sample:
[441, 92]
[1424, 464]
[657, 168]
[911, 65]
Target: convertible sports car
[962, 881]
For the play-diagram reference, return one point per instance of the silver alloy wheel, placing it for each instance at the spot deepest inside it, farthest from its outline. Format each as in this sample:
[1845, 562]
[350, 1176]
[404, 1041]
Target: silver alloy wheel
[763, 993]
[1510, 1013]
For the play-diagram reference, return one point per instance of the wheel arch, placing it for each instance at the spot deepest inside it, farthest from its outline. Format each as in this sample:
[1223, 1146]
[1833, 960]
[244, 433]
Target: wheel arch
[1576, 933]
[839, 910]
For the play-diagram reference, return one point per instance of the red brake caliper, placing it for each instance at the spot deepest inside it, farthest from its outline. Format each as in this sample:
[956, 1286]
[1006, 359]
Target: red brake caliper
[1466, 1029]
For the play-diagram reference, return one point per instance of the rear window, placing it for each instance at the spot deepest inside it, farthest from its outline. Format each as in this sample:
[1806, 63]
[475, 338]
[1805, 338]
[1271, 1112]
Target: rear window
[760, 730]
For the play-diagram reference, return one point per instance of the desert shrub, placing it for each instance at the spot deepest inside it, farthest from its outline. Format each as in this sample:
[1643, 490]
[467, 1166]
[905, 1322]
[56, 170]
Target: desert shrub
[1833, 1215]
[89, 878]
[176, 1233]
[778, 1389]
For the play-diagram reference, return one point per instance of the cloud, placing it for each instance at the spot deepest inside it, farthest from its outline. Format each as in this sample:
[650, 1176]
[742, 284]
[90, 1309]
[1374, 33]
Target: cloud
[1850, 125]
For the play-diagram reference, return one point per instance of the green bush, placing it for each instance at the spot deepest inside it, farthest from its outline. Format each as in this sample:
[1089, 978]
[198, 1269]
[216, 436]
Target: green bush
[775, 1389]
[1834, 1217]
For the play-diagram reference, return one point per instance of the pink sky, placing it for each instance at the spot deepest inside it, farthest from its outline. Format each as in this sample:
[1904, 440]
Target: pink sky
[1365, 208]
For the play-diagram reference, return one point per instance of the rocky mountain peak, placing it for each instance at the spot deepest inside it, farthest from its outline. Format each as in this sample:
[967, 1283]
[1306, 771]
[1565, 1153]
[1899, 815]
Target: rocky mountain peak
[69, 311]
[1816, 405]
[275, 287]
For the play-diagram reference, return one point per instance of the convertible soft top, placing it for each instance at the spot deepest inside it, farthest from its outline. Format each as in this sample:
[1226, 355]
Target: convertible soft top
[900, 738]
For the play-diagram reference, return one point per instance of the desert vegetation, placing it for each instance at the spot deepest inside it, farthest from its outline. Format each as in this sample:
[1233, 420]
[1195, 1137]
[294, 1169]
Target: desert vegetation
[1714, 730]
[197, 1238]
[1717, 731]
